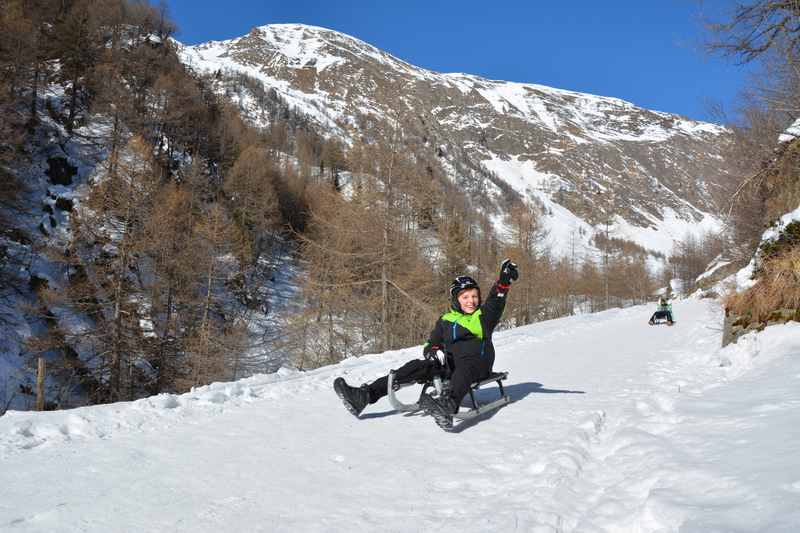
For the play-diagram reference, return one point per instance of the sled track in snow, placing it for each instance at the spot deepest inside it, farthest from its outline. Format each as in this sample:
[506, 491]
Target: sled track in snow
[626, 482]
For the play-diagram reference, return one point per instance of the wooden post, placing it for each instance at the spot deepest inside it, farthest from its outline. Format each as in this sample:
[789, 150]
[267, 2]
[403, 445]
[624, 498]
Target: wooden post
[40, 385]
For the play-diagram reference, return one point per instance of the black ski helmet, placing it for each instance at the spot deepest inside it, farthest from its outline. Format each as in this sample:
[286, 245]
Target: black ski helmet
[462, 283]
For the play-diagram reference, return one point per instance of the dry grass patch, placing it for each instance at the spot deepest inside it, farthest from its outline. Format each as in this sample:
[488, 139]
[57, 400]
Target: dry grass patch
[776, 293]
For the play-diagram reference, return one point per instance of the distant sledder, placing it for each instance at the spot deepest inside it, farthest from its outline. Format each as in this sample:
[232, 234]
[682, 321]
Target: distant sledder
[464, 335]
[663, 314]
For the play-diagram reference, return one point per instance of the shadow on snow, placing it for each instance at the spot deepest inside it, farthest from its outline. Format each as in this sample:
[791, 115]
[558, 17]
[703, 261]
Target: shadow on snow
[516, 391]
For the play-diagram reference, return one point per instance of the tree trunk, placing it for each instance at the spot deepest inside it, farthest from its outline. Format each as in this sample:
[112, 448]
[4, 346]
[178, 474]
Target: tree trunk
[116, 351]
[204, 333]
[40, 385]
[384, 295]
[73, 101]
[35, 93]
[162, 349]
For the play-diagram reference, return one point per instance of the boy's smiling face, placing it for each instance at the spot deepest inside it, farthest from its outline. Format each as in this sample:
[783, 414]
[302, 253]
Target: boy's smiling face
[469, 300]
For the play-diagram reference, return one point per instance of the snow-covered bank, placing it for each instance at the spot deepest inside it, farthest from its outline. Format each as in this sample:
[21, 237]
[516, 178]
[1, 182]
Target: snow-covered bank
[615, 426]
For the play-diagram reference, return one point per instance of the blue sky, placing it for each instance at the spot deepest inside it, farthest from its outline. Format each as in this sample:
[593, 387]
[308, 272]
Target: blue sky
[647, 52]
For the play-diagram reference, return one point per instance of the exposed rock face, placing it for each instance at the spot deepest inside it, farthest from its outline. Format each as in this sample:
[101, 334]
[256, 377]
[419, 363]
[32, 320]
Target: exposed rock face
[583, 156]
[735, 326]
[60, 171]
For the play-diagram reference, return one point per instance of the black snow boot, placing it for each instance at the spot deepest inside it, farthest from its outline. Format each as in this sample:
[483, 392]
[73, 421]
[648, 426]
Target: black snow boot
[354, 398]
[441, 409]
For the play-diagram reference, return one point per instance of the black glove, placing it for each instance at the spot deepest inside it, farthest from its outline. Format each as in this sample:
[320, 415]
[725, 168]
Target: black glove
[429, 351]
[508, 272]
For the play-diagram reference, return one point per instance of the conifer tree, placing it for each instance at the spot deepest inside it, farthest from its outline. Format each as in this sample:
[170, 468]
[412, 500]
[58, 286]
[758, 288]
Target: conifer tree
[250, 186]
[168, 244]
[78, 43]
[220, 249]
[529, 252]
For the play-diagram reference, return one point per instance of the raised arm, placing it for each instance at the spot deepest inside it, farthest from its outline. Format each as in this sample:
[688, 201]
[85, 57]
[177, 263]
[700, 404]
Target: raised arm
[492, 309]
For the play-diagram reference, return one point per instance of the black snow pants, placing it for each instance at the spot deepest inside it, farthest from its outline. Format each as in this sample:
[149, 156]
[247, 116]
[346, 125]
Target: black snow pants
[463, 372]
[661, 314]
[468, 370]
[415, 371]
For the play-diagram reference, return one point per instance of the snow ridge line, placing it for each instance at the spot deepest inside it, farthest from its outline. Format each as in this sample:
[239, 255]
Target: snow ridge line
[21, 431]
[563, 469]
[25, 430]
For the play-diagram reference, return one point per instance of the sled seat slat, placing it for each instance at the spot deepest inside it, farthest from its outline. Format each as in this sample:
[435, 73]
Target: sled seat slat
[493, 377]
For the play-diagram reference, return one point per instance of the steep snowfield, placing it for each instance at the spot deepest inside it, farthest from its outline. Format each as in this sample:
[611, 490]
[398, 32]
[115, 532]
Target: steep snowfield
[562, 225]
[615, 426]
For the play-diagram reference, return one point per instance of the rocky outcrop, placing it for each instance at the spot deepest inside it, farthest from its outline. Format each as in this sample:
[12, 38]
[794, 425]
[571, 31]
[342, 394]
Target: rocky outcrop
[60, 171]
[735, 326]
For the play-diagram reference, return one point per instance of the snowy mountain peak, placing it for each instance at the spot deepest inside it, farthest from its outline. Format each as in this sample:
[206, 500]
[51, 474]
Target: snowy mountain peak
[585, 159]
[300, 46]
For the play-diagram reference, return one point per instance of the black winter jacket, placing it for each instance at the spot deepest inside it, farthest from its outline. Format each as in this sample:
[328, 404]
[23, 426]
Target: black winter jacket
[466, 336]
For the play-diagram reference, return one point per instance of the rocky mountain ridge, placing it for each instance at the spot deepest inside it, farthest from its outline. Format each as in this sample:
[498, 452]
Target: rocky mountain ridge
[590, 161]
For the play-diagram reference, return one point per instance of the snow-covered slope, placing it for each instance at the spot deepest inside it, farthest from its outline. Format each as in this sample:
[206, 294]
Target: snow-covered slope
[615, 426]
[588, 155]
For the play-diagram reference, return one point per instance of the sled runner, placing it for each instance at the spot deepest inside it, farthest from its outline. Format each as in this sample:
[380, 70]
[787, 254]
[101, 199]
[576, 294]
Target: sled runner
[439, 385]
[660, 321]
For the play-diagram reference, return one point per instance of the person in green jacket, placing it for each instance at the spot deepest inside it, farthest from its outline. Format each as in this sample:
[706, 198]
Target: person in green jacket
[664, 311]
[464, 334]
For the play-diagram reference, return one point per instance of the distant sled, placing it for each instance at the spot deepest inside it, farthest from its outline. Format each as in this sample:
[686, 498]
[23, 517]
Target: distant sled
[660, 321]
[439, 385]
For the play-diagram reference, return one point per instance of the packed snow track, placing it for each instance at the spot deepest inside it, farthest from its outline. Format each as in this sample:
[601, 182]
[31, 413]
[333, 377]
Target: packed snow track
[614, 425]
